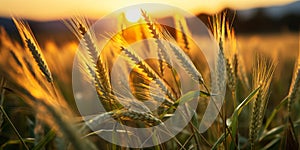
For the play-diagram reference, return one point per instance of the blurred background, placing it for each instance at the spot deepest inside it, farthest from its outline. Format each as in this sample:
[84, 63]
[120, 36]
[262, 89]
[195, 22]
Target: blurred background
[271, 27]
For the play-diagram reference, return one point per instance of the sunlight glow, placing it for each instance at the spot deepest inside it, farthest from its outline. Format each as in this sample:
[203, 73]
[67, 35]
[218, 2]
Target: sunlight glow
[133, 15]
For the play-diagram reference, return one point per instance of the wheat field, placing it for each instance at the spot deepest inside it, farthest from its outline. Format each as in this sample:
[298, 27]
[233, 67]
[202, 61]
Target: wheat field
[261, 73]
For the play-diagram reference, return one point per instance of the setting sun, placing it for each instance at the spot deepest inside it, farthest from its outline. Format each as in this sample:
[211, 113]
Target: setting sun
[133, 15]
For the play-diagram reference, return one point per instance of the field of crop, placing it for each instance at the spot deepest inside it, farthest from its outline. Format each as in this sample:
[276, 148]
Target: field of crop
[39, 108]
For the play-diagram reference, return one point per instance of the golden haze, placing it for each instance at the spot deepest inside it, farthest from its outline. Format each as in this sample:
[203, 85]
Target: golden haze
[58, 9]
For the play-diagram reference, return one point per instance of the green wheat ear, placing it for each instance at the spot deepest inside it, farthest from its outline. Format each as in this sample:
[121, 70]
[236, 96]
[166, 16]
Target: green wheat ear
[262, 76]
[295, 85]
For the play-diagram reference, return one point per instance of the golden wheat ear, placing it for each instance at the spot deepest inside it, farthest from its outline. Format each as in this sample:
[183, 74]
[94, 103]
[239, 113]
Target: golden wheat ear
[31, 43]
[161, 48]
[81, 29]
[182, 32]
[145, 68]
[184, 60]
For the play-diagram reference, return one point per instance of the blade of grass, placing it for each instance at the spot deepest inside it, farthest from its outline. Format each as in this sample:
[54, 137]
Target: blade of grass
[13, 127]
[274, 112]
[272, 143]
[10, 122]
[276, 130]
[187, 140]
[238, 109]
[184, 99]
[232, 121]
[11, 142]
[289, 139]
[194, 122]
[46, 139]
[220, 140]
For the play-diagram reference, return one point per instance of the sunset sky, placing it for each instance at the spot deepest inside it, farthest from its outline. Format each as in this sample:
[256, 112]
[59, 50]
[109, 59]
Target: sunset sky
[58, 9]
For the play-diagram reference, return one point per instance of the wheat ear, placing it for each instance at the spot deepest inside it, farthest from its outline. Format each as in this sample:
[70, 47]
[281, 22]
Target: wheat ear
[184, 60]
[162, 52]
[232, 58]
[230, 74]
[184, 37]
[263, 72]
[134, 115]
[295, 85]
[181, 35]
[123, 115]
[150, 73]
[96, 67]
[31, 44]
